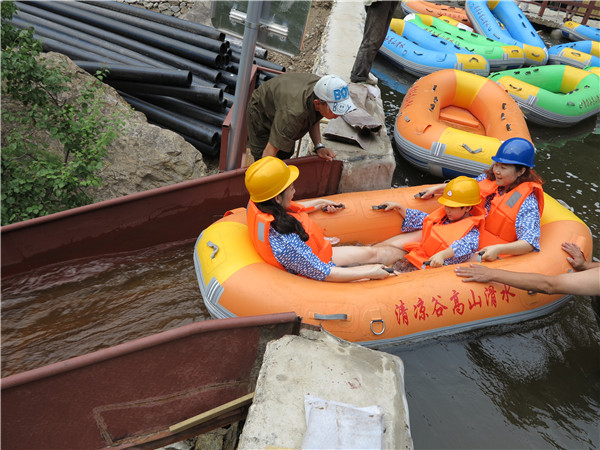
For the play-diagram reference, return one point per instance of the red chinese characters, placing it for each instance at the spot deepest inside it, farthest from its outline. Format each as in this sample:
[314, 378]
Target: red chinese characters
[401, 313]
[421, 310]
[439, 304]
[459, 307]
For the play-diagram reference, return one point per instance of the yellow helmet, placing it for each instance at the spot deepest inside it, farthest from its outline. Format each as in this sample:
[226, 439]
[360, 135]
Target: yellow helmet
[461, 191]
[269, 177]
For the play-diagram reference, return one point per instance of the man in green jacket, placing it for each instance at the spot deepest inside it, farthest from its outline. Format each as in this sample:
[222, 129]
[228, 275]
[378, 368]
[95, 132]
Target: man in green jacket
[286, 107]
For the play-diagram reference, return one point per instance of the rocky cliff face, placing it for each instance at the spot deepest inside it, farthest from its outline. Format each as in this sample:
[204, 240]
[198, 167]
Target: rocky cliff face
[143, 157]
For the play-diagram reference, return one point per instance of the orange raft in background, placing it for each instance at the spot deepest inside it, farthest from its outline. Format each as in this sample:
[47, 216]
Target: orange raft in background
[452, 122]
[235, 281]
[436, 10]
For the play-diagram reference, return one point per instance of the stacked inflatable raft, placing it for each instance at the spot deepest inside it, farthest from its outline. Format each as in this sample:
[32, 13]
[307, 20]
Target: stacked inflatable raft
[556, 95]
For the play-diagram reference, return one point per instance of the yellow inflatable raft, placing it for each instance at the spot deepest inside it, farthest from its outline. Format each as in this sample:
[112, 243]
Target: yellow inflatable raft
[235, 281]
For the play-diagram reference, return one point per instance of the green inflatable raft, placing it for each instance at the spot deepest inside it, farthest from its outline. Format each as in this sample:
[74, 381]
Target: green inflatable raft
[555, 95]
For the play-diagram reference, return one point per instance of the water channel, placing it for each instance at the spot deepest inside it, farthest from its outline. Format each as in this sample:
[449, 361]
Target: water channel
[531, 385]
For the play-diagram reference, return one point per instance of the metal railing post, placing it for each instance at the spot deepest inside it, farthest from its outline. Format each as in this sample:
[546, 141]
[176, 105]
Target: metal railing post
[241, 89]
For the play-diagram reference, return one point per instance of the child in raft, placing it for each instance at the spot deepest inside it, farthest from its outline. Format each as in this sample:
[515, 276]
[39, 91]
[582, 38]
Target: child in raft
[513, 198]
[450, 234]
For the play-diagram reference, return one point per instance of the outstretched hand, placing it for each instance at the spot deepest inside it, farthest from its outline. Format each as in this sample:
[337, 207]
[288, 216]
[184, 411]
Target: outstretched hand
[575, 258]
[474, 272]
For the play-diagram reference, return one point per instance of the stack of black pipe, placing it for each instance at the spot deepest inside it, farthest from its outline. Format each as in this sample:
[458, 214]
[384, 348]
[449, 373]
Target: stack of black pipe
[180, 74]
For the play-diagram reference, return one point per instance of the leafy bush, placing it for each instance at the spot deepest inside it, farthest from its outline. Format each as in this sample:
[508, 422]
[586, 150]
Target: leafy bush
[36, 181]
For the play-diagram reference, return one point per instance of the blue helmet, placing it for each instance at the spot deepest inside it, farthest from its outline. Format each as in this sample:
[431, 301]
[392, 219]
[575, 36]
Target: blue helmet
[516, 151]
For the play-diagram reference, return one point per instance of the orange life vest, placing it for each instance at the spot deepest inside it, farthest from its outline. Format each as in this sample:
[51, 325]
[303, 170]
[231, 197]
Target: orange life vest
[259, 224]
[500, 221]
[438, 237]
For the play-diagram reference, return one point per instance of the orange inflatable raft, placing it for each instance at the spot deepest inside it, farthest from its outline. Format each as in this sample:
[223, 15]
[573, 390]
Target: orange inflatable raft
[436, 10]
[235, 281]
[452, 122]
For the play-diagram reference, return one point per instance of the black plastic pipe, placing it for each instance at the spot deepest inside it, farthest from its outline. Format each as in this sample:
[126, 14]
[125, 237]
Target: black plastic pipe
[235, 58]
[185, 108]
[36, 21]
[71, 9]
[50, 37]
[159, 55]
[235, 44]
[175, 22]
[202, 82]
[197, 130]
[164, 77]
[213, 45]
[228, 78]
[234, 67]
[211, 98]
[225, 87]
[228, 100]
[51, 45]
[205, 149]
[265, 76]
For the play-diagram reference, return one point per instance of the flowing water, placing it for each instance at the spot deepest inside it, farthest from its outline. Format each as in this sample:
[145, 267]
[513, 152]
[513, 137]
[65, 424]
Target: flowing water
[531, 385]
[67, 310]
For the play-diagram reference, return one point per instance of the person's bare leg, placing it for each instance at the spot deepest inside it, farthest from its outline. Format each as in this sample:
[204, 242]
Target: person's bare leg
[400, 240]
[346, 256]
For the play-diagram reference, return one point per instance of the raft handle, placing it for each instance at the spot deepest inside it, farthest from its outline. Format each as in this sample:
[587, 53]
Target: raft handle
[375, 332]
[215, 248]
[467, 148]
[331, 316]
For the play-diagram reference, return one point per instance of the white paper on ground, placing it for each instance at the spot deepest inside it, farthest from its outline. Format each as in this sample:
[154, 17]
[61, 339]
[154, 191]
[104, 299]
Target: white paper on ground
[335, 425]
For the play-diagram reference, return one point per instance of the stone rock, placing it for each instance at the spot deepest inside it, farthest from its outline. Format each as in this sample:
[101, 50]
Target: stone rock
[143, 157]
[199, 12]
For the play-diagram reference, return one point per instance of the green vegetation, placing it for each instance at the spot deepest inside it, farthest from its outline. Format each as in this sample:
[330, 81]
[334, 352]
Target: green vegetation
[35, 180]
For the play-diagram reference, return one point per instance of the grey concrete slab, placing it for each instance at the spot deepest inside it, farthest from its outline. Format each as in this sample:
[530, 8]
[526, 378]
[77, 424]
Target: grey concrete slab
[319, 364]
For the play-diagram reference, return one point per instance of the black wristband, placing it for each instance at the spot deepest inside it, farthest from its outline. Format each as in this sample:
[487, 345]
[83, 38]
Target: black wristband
[320, 145]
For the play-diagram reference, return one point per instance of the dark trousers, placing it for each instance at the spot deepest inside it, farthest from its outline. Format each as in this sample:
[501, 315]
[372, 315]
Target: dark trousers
[379, 16]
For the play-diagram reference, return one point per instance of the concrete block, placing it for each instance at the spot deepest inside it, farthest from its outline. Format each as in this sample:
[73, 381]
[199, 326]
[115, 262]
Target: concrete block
[319, 364]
